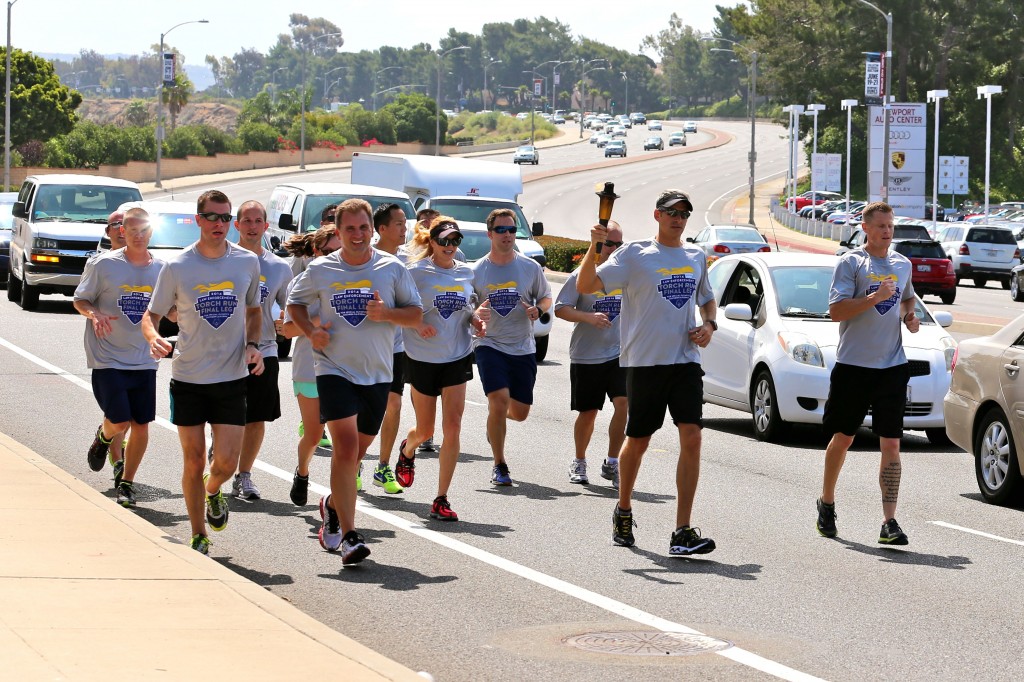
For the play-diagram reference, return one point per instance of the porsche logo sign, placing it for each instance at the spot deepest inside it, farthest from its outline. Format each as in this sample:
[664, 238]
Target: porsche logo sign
[898, 160]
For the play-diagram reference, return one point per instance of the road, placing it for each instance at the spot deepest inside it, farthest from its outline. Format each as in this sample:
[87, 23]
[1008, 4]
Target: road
[496, 596]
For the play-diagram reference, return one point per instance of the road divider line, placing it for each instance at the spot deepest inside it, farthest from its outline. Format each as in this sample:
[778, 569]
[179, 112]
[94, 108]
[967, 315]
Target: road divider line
[983, 534]
[723, 195]
[735, 654]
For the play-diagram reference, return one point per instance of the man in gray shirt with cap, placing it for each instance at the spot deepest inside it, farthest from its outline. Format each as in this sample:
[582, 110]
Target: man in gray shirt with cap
[664, 282]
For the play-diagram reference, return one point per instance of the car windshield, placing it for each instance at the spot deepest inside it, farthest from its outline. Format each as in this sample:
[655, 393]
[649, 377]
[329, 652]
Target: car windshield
[738, 234]
[82, 203]
[178, 230]
[316, 203]
[920, 249]
[475, 245]
[802, 291]
[982, 235]
[477, 212]
[910, 231]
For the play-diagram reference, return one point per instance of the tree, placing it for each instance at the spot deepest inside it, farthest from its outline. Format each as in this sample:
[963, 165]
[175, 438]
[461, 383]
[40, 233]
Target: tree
[137, 113]
[414, 116]
[176, 97]
[41, 107]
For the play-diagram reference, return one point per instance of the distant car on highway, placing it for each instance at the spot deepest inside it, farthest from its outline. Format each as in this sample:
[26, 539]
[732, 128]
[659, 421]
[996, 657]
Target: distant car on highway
[654, 143]
[654, 125]
[616, 131]
[526, 154]
[638, 117]
[558, 119]
[721, 240]
[690, 127]
[677, 138]
[615, 148]
[603, 139]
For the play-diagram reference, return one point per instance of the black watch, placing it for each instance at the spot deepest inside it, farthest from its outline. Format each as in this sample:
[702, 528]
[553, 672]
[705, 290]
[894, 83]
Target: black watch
[714, 325]
[253, 344]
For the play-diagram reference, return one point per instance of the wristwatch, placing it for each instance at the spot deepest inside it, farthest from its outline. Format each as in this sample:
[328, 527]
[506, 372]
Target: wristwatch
[253, 344]
[714, 325]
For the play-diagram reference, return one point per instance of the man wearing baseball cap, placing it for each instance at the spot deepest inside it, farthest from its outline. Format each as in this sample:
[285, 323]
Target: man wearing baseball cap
[663, 282]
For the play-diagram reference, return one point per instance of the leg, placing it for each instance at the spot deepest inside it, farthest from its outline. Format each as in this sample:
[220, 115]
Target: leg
[227, 443]
[629, 465]
[252, 441]
[117, 449]
[889, 474]
[582, 431]
[498, 405]
[687, 471]
[389, 427]
[517, 411]
[835, 456]
[453, 404]
[193, 447]
[136, 449]
[309, 409]
[344, 462]
[617, 427]
[425, 407]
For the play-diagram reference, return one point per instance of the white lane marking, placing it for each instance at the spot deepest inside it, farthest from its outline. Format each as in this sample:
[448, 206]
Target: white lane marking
[735, 654]
[707, 213]
[978, 532]
[470, 402]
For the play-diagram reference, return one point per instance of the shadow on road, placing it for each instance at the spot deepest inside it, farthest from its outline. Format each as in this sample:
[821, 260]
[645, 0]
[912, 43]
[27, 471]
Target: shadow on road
[421, 510]
[258, 577]
[678, 566]
[532, 491]
[394, 578]
[895, 555]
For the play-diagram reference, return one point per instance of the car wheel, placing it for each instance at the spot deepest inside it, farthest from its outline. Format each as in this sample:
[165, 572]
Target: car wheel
[948, 297]
[764, 408]
[284, 347]
[29, 296]
[980, 282]
[13, 286]
[938, 436]
[1016, 293]
[542, 347]
[995, 460]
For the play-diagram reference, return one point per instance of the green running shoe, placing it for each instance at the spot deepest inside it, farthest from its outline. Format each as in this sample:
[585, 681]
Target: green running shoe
[216, 509]
[200, 543]
[384, 478]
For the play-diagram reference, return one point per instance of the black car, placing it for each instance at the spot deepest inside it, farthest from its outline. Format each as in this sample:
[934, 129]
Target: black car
[654, 143]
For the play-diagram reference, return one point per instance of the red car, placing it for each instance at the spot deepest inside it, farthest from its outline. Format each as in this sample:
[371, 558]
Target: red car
[804, 199]
[933, 271]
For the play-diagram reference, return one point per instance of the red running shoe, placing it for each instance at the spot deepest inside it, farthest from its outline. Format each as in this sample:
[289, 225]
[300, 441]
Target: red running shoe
[405, 471]
[441, 510]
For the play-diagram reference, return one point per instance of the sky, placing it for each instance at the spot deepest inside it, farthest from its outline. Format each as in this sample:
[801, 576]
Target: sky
[131, 27]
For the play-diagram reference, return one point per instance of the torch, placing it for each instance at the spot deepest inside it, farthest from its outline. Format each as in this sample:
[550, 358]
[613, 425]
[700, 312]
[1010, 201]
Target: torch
[604, 211]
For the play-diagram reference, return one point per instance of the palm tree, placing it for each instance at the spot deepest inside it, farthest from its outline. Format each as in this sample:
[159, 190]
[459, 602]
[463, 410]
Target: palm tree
[176, 97]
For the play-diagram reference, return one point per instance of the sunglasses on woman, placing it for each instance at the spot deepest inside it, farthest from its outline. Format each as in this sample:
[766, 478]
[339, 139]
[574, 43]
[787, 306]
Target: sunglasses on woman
[449, 241]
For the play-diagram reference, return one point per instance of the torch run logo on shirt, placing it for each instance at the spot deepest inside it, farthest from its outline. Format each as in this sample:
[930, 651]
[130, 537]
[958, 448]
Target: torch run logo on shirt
[886, 305]
[216, 302]
[678, 285]
[504, 297]
[449, 300]
[610, 304]
[134, 301]
[350, 299]
[264, 289]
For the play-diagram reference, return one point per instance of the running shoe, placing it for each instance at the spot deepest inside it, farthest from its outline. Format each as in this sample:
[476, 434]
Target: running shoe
[441, 510]
[686, 541]
[325, 442]
[405, 471]
[200, 543]
[98, 450]
[622, 527]
[216, 509]
[300, 490]
[610, 471]
[330, 529]
[125, 494]
[826, 523]
[578, 472]
[383, 478]
[359, 477]
[118, 472]
[426, 446]
[242, 486]
[353, 548]
[500, 476]
[892, 534]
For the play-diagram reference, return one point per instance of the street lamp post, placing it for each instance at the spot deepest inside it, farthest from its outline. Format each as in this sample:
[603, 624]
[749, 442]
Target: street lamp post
[437, 102]
[554, 82]
[812, 110]
[486, 66]
[273, 83]
[625, 107]
[160, 97]
[339, 68]
[7, 104]
[936, 96]
[583, 87]
[884, 193]
[550, 61]
[753, 115]
[302, 98]
[375, 74]
[987, 91]
[794, 111]
[848, 105]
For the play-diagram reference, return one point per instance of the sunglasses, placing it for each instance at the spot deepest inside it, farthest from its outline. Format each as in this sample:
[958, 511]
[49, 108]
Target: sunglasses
[327, 219]
[675, 213]
[116, 223]
[449, 241]
[214, 217]
[613, 245]
[504, 229]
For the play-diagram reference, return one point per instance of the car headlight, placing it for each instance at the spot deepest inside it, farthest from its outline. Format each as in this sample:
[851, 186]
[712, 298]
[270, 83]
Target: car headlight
[801, 348]
[949, 351]
[43, 243]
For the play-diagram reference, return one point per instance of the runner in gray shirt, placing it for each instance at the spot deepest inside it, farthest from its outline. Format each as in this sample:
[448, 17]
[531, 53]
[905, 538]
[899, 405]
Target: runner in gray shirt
[513, 294]
[114, 295]
[594, 370]
[363, 294]
[871, 297]
[215, 287]
[664, 283]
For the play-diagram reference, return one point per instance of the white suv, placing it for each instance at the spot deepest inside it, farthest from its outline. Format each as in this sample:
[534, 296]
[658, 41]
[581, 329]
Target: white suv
[980, 252]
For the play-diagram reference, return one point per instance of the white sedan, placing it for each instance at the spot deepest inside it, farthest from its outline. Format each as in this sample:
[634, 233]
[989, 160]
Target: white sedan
[776, 345]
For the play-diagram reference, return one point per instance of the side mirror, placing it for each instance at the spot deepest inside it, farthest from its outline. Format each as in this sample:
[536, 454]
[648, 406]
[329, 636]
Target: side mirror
[738, 311]
[845, 243]
[944, 318]
[286, 222]
[538, 229]
[18, 210]
[689, 239]
[275, 242]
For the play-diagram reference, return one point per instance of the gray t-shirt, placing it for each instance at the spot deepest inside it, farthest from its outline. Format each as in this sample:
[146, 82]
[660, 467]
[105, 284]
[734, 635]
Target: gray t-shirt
[116, 287]
[302, 352]
[402, 255]
[275, 274]
[590, 345]
[212, 295]
[662, 286]
[447, 296]
[359, 349]
[875, 337]
[507, 287]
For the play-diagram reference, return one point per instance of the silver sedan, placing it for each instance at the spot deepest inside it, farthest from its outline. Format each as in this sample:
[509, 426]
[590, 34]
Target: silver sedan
[721, 240]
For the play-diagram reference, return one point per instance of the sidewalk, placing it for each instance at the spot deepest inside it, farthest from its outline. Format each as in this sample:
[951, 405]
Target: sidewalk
[64, 598]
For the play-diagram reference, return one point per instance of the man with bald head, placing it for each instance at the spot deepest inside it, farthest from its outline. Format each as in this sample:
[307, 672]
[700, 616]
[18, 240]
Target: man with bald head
[594, 370]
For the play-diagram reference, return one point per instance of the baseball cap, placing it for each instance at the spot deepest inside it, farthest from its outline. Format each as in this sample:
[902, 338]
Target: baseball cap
[671, 197]
[444, 229]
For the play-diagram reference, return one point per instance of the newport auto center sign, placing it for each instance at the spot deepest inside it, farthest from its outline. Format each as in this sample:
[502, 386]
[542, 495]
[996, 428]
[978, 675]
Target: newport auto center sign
[908, 140]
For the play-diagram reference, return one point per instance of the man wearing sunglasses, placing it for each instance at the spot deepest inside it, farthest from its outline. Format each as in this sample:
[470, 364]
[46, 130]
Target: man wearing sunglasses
[594, 370]
[664, 282]
[215, 286]
[513, 293]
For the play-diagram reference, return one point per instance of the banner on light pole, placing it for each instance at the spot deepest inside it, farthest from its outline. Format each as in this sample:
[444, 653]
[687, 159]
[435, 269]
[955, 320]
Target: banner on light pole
[170, 69]
[538, 86]
[874, 78]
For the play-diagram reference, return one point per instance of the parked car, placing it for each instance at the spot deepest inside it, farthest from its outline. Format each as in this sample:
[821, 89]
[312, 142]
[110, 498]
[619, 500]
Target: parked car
[615, 148]
[721, 240]
[654, 143]
[983, 413]
[690, 127]
[900, 233]
[980, 252]
[7, 200]
[940, 212]
[801, 200]
[526, 154]
[677, 138]
[1017, 283]
[776, 345]
[654, 125]
[933, 272]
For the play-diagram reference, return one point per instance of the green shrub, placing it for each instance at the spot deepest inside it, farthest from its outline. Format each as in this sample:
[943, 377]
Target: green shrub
[256, 136]
[184, 141]
[563, 254]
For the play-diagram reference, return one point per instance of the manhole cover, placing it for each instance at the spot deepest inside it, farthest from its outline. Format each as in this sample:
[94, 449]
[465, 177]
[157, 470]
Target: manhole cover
[647, 643]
